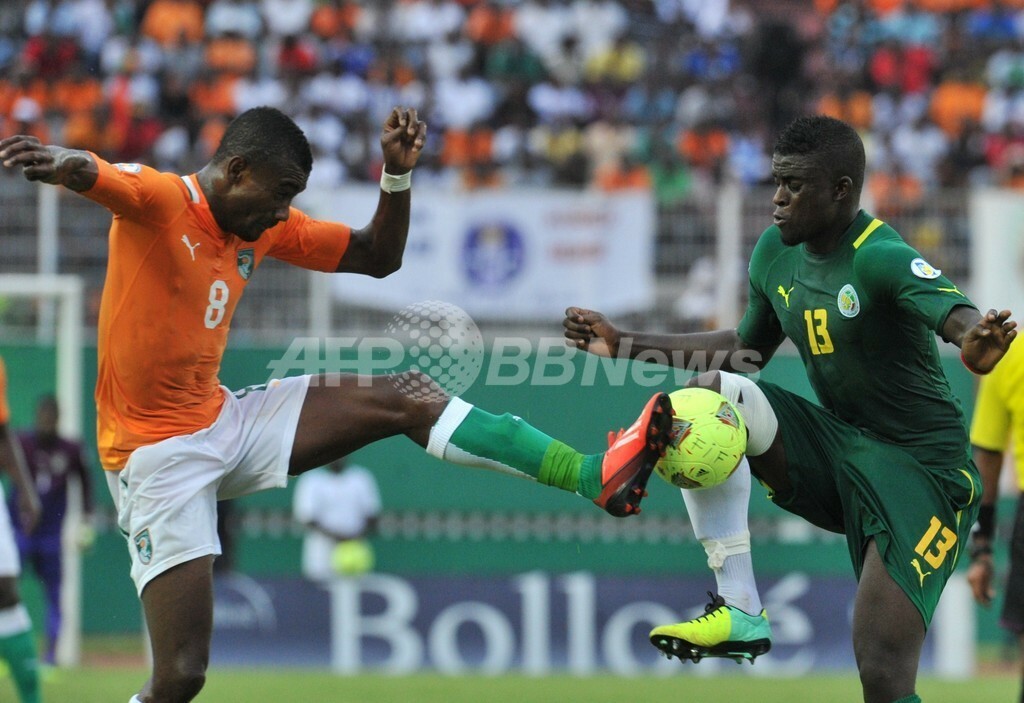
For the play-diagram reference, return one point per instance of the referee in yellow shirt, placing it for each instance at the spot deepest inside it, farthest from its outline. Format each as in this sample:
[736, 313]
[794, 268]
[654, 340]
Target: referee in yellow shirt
[998, 416]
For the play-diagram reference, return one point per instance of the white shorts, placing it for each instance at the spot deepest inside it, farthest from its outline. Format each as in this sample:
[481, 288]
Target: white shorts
[167, 493]
[10, 563]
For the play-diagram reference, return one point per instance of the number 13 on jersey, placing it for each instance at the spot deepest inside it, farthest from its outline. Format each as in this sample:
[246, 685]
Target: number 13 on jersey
[936, 543]
[817, 331]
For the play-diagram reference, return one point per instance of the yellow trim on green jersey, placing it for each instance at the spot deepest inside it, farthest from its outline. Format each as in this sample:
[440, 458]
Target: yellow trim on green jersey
[959, 513]
[970, 481]
[875, 224]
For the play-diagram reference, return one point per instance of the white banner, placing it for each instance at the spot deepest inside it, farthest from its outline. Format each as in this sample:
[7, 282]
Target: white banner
[522, 254]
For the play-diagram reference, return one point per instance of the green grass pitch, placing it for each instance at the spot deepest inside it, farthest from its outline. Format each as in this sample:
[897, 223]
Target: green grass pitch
[116, 685]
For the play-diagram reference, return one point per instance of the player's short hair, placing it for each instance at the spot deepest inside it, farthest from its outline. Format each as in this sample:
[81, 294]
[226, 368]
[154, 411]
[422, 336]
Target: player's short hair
[831, 142]
[265, 134]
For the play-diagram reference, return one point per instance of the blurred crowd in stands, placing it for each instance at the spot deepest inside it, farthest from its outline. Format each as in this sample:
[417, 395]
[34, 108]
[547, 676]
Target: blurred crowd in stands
[677, 95]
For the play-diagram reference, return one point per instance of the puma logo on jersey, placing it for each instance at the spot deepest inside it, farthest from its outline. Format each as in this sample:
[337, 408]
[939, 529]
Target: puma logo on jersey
[191, 247]
[785, 294]
[921, 574]
[954, 289]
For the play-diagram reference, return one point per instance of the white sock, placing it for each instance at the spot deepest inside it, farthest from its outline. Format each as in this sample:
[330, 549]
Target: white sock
[14, 620]
[482, 444]
[135, 699]
[441, 433]
[719, 519]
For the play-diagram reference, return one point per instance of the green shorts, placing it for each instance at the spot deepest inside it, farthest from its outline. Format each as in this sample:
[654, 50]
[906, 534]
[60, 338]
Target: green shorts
[847, 481]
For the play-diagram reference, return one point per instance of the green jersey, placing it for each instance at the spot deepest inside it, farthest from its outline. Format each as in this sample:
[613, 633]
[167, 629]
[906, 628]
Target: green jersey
[864, 318]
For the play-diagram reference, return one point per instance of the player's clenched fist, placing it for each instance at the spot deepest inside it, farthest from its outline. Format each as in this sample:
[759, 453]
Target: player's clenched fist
[402, 140]
[590, 331]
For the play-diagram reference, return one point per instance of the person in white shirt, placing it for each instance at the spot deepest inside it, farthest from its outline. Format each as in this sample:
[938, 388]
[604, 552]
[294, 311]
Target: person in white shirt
[336, 503]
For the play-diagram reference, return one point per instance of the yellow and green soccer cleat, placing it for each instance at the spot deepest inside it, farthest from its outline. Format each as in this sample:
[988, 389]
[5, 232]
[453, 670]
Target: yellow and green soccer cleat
[722, 631]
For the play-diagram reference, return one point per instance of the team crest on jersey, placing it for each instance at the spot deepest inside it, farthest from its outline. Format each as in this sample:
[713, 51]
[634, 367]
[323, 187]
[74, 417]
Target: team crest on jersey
[922, 269]
[144, 545]
[129, 168]
[848, 302]
[246, 260]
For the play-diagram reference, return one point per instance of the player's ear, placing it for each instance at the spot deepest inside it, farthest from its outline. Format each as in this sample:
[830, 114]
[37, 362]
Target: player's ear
[843, 188]
[235, 169]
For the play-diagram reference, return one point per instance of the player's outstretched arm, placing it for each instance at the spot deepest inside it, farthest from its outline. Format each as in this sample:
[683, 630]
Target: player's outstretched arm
[377, 249]
[721, 350]
[71, 168]
[983, 339]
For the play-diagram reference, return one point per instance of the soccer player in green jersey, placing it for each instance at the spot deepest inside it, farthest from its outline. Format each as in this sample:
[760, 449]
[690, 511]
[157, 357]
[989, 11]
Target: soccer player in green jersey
[885, 458]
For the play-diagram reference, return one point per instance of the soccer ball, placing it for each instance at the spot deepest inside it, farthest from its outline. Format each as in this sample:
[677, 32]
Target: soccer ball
[352, 557]
[708, 441]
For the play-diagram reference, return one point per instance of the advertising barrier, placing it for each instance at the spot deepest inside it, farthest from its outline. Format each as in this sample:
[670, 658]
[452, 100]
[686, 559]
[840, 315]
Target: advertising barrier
[535, 623]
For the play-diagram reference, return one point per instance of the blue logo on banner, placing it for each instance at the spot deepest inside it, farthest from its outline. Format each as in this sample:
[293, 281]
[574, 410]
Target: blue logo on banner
[494, 254]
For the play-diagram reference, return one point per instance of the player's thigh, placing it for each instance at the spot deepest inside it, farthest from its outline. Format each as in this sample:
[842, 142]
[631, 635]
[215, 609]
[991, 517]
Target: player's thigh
[178, 605]
[812, 441]
[888, 632]
[9, 595]
[344, 412]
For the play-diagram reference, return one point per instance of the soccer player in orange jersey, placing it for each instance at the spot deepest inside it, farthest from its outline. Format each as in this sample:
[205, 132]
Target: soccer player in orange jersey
[17, 644]
[174, 441]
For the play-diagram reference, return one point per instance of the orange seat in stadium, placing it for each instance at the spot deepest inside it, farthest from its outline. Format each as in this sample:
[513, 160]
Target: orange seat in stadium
[955, 101]
[169, 21]
[233, 54]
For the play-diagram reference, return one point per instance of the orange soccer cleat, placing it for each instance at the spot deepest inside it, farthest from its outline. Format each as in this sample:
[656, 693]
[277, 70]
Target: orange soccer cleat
[631, 457]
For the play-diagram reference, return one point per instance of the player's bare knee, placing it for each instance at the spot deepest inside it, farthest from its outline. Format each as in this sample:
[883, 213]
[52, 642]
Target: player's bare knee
[419, 392]
[189, 674]
[886, 672]
[417, 386]
[883, 683]
[8, 592]
[712, 380]
[181, 682]
[751, 402]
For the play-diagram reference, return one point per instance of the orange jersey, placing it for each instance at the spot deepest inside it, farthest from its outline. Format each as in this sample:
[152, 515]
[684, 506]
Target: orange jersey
[173, 281]
[5, 410]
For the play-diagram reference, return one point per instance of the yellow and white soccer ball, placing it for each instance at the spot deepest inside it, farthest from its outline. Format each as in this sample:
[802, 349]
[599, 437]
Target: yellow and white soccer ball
[709, 439]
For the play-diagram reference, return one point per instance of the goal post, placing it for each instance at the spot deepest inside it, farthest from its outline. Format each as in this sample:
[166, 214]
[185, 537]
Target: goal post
[65, 292]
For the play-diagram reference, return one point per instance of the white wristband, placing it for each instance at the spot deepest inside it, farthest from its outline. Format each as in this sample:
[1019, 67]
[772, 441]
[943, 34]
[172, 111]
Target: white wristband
[395, 184]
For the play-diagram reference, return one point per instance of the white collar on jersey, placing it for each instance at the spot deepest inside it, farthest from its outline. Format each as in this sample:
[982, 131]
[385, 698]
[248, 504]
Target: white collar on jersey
[193, 189]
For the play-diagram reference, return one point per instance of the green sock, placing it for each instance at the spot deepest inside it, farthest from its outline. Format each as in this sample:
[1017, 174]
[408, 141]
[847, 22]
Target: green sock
[909, 699]
[19, 651]
[470, 436]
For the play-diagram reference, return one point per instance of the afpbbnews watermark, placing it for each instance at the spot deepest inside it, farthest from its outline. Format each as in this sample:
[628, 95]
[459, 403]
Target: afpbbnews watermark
[441, 342]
